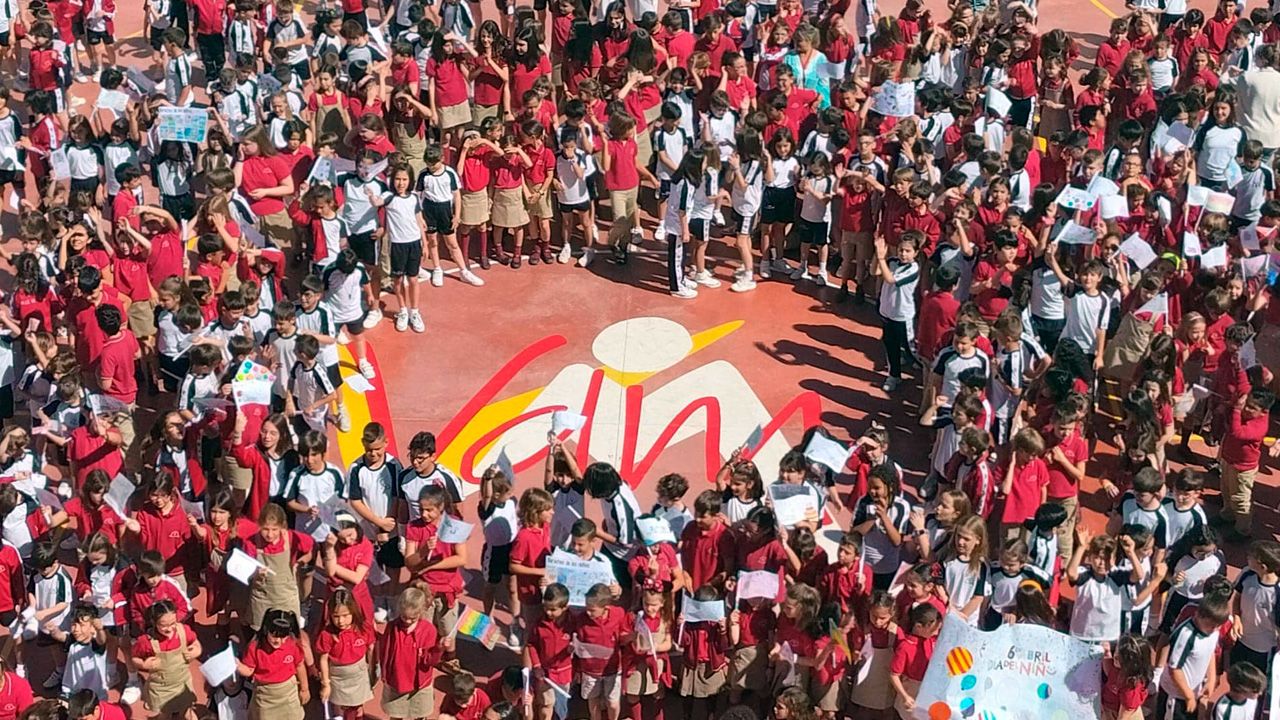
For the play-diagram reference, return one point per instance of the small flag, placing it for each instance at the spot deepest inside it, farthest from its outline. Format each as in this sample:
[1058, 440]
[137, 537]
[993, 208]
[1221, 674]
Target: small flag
[839, 638]
[477, 626]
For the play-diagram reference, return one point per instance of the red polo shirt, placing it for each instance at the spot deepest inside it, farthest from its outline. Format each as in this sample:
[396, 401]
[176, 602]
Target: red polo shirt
[1242, 443]
[605, 631]
[347, 647]
[706, 554]
[92, 452]
[15, 696]
[90, 338]
[622, 173]
[408, 656]
[911, 655]
[530, 549]
[118, 362]
[272, 666]
[167, 534]
[1076, 449]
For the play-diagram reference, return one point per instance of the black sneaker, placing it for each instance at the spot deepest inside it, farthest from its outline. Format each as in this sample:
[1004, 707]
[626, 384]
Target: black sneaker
[620, 253]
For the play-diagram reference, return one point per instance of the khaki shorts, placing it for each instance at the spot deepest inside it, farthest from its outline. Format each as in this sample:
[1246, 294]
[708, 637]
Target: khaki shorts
[748, 668]
[416, 704]
[142, 319]
[443, 618]
[607, 688]
[454, 116]
[480, 112]
[539, 207]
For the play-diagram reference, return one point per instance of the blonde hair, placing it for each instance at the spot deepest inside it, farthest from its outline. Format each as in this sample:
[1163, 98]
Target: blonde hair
[977, 527]
[533, 503]
[412, 599]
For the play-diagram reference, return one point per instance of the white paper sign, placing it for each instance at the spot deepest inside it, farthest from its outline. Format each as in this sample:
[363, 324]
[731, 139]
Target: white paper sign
[1076, 199]
[757, 584]
[118, 494]
[1181, 132]
[242, 566]
[1197, 195]
[578, 575]
[562, 420]
[357, 383]
[864, 661]
[1101, 186]
[1219, 202]
[1113, 206]
[1158, 305]
[792, 503]
[998, 102]
[655, 530]
[1255, 266]
[701, 610]
[112, 100]
[1137, 250]
[1073, 233]
[1215, 257]
[182, 124]
[454, 531]
[825, 451]
[220, 667]
[895, 99]
[321, 171]
[1190, 244]
[252, 392]
[59, 165]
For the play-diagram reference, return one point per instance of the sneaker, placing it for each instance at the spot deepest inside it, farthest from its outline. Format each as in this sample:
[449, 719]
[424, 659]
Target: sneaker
[402, 320]
[588, 254]
[780, 265]
[371, 319]
[764, 271]
[689, 282]
[53, 681]
[424, 275]
[132, 694]
[822, 278]
[470, 278]
[344, 419]
[64, 490]
[80, 77]
[890, 384]
[743, 284]
[437, 277]
[566, 254]
[366, 367]
[705, 279]
[799, 273]
[415, 321]
[513, 639]
[685, 293]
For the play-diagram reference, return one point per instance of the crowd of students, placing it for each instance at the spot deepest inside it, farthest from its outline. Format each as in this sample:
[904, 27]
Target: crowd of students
[1054, 259]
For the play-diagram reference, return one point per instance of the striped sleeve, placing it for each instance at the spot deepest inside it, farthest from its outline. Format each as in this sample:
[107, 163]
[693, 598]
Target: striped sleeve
[1181, 643]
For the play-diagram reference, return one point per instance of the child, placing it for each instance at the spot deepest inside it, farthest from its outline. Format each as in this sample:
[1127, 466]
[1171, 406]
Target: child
[1026, 482]
[1241, 455]
[441, 192]
[1202, 561]
[164, 653]
[407, 656]
[741, 487]
[404, 226]
[563, 482]
[648, 669]
[817, 189]
[314, 320]
[464, 700]
[1006, 576]
[708, 544]
[706, 665]
[690, 212]
[911, 657]
[751, 629]
[847, 581]
[348, 293]
[548, 654]
[344, 649]
[598, 638]
[965, 569]
[311, 390]
[436, 564]
[1245, 685]
[899, 278]
[1190, 662]
[1096, 615]
[498, 510]
[671, 488]
[881, 518]
[527, 557]
[85, 644]
[1254, 605]
[1127, 675]
[279, 550]
[274, 661]
[1135, 603]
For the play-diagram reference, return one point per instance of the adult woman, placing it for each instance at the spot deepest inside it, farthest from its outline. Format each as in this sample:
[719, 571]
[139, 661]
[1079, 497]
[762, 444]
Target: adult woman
[490, 74]
[264, 177]
[808, 63]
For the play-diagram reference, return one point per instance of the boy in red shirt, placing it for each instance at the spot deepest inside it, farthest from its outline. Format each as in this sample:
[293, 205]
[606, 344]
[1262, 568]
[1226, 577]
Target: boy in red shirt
[622, 178]
[464, 701]
[118, 361]
[912, 653]
[1241, 457]
[857, 225]
[549, 652]
[1112, 51]
[707, 546]
[938, 313]
[598, 634]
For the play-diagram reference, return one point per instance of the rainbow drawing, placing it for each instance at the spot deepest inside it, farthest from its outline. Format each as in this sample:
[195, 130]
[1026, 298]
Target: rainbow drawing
[478, 626]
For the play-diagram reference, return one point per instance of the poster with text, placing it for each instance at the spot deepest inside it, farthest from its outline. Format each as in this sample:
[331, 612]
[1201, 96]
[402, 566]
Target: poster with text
[1017, 672]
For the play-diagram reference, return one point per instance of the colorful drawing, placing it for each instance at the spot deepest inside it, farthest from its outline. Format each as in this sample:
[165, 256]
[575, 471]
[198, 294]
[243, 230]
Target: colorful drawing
[959, 660]
[478, 626]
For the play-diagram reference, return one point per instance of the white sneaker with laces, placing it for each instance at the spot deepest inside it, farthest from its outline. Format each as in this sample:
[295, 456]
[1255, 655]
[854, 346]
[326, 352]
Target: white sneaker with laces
[799, 273]
[415, 322]
[588, 254]
[131, 695]
[705, 279]
[343, 338]
[402, 320]
[437, 277]
[685, 293]
[471, 278]
[366, 367]
[689, 283]
[424, 275]
[372, 318]
[566, 254]
[344, 419]
[743, 284]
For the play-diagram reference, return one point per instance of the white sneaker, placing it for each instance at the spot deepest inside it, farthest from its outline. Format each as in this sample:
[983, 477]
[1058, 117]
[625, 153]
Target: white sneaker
[764, 270]
[131, 695]
[64, 490]
[402, 320]
[437, 277]
[685, 293]
[424, 275]
[471, 278]
[689, 283]
[890, 384]
[566, 254]
[80, 77]
[588, 254]
[415, 321]
[781, 265]
[743, 284]
[822, 278]
[513, 638]
[799, 273]
[372, 318]
[344, 419]
[705, 279]
[366, 367]
[719, 217]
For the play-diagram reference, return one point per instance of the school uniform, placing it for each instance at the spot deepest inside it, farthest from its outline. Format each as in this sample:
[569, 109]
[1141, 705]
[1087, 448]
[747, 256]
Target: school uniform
[411, 483]
[1190, 651]
[1257, 642]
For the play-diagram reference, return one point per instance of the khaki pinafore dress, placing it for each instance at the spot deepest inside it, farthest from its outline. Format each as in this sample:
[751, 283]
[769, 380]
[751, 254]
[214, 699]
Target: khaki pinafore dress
[168, 689]
[349, 684]
[277, 701]
[277, 588]
[329, 120]
[409, 142]
[874, 692]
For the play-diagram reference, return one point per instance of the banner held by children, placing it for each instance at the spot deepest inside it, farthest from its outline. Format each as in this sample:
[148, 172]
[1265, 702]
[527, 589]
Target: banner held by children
[183, 124]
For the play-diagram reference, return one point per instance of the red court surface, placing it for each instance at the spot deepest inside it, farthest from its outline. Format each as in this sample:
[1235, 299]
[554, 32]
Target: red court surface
[668, 385]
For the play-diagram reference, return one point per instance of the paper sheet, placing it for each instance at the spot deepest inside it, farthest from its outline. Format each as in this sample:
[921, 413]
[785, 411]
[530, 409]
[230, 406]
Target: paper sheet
[59, 166]
[453, 530]
[998, 102]
[757, 584]
[1113, 206]
[1197, 195]
[655, 530]
[562, 420]
[1102, 186]
[753, 440]
[1215, 257]
[1255, 266]
[357, 383]
[118, 494]
[220, 667]
[1158, 305]
[1073, 233]
[1076, 199]
[1182, 132]
[241, 566]
[864, 664]
[1219, 202]
[1191, 244]
[825, 451]
[702, 611]
[1137, 250]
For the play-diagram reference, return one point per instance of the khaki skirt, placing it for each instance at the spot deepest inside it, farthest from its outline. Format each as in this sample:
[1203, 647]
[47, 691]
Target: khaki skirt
[828, 698]
[874, 692]
[475, 209]
[349, 684]
[640, 679]
[540, 206]
[480, 112]
[748, 668]
[168, 698]
[454, 116]
[699, 680]
[142, 319]
[508, 208]
[277, 701]
[415, 704]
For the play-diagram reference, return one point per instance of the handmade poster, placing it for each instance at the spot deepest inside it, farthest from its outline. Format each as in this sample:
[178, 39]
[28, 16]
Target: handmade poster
[477, 626]
[562, 420]
[655, 530]
[1191, 244]
[1076, 199]
[112, 100]
[578, 575]
[1113, 206]
[702, 610]
[250, 370]
[1255, 266]
[220, 667]
[1017, 672]
[183, 124]
[453, 530]
[825, 451]
[895, 99]
[1214, 257]
[1137, 250]
[59, 166]
[242, 566]
[757, 584]
[1197, 195]
[1219, 202]
[1074, 233]
[792, 503]
[252, 392]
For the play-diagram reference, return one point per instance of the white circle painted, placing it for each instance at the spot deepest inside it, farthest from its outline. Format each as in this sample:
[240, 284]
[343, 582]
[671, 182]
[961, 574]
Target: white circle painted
[644, 344]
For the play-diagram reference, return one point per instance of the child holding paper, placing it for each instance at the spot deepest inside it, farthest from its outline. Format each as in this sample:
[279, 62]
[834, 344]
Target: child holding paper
[847, 581]
[344, 652]
[162, 526]
[223, 530]
[655, 567]
[548, 653]
[598, 636]
[706, 665]
[881, 517]
[751, 628]
[279, 550]
[648, 667]
[763, 546]
[347, 556]
[408, 651]
[498, 510]
[274, 659]
[436, 564]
